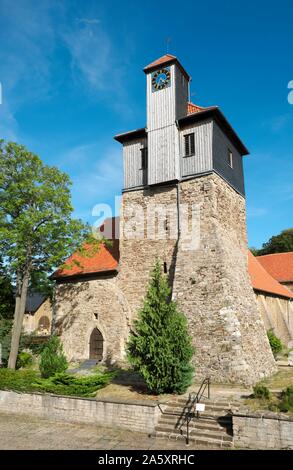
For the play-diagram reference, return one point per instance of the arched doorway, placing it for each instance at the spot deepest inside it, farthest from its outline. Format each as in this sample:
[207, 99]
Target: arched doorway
[96, 345]
[44, 324]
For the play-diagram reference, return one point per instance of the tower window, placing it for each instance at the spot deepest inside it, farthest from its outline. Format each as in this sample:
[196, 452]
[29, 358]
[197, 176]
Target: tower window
[189, 148]
[230, 158]
[144, 158]
[165, 267]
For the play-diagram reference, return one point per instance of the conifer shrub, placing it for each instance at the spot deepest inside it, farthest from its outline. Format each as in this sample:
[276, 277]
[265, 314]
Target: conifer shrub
[68, 384]
[261, 391]
[275, 342]
[53, 359]
[160, 347]
[24, 359]
[18, 380]
[286, 403]
[60, 384]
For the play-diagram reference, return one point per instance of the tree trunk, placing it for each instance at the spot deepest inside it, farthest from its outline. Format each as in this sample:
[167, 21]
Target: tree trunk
[20, 303]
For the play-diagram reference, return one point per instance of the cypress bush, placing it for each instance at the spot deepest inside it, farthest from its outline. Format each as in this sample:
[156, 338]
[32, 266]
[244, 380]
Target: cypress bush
[160, 348]
[275, 342]
[286, 403]
[261, 391]
[53, 359]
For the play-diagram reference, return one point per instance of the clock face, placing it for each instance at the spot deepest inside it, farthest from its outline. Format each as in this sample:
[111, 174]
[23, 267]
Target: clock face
[161, 79]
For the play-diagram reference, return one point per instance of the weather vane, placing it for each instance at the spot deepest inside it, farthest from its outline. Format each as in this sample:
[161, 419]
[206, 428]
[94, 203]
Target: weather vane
[168, 40]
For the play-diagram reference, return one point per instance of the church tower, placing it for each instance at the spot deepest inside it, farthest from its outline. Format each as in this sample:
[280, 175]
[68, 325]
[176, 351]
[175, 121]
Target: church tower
[167, 98]
[183, 177]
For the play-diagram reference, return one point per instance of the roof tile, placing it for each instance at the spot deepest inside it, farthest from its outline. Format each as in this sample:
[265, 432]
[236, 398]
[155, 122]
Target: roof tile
[263, 281]
[279, 265]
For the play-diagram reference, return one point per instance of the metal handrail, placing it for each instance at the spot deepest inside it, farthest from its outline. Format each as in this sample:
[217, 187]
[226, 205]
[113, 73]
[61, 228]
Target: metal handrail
[192, 400]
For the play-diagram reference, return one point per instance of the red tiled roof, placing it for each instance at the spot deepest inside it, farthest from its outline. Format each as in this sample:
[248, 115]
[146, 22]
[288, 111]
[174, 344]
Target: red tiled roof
[166, 59]
[194, 108]
[162, 60]
[261, 280]
[279, 265]
[105, 259]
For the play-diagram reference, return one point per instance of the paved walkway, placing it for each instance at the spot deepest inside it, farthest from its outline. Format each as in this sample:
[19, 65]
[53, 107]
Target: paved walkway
[30, 433]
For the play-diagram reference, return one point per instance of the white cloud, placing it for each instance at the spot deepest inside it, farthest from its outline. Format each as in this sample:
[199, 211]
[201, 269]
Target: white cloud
[28, 37]
[277, 123]
[96, 172]
[96, 63]
[88, 20]
[27, 42]
[8, 123]
[91, 53]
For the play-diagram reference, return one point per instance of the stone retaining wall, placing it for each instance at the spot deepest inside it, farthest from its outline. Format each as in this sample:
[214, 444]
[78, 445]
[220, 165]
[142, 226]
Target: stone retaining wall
[263, 430]
[135, 416]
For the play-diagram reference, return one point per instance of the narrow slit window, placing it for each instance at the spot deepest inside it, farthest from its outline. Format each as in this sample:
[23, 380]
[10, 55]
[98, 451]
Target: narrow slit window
[165, 267]
[189, 147]
[230, 158]
[144, 158]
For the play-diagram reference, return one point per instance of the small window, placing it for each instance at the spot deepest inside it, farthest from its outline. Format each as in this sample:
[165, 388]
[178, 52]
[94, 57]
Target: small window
[230, 158]
[144, 158]
[189, 150]
[165, 268]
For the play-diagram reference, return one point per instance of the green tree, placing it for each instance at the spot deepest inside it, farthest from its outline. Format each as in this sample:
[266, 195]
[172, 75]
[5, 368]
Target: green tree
[160, 347]
[53, 359]
[278, 243]
[37, 231]
[6, 295]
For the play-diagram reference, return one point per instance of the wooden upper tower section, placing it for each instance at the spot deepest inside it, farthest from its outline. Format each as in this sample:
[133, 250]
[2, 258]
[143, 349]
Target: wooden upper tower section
[167, 98]
[181, 140]
[167, 92]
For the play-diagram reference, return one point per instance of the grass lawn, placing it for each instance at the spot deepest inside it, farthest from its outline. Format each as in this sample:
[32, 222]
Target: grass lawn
[282, 379]
[128, 385]
[276, 383]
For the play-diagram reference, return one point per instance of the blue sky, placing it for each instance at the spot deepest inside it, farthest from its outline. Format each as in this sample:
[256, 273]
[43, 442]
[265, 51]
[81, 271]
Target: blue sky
[71, 75]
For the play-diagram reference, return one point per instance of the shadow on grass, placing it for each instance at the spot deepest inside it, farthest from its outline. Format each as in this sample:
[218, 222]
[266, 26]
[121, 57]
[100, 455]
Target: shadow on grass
[129, 378]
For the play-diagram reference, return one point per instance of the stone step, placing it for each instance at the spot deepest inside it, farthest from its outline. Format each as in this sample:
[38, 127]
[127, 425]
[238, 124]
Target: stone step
[197, 441]
[89, 363]
[206, 424]
[208, 414]
[208, 406]
[202, 417]
[198, 433]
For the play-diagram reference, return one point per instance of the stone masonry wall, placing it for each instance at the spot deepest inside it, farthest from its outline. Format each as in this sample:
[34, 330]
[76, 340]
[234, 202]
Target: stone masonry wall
[277, 314]
[263, 430]
[213, 288]
[138, 255]
[210, 282]
[76, 306]
[134, 416]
